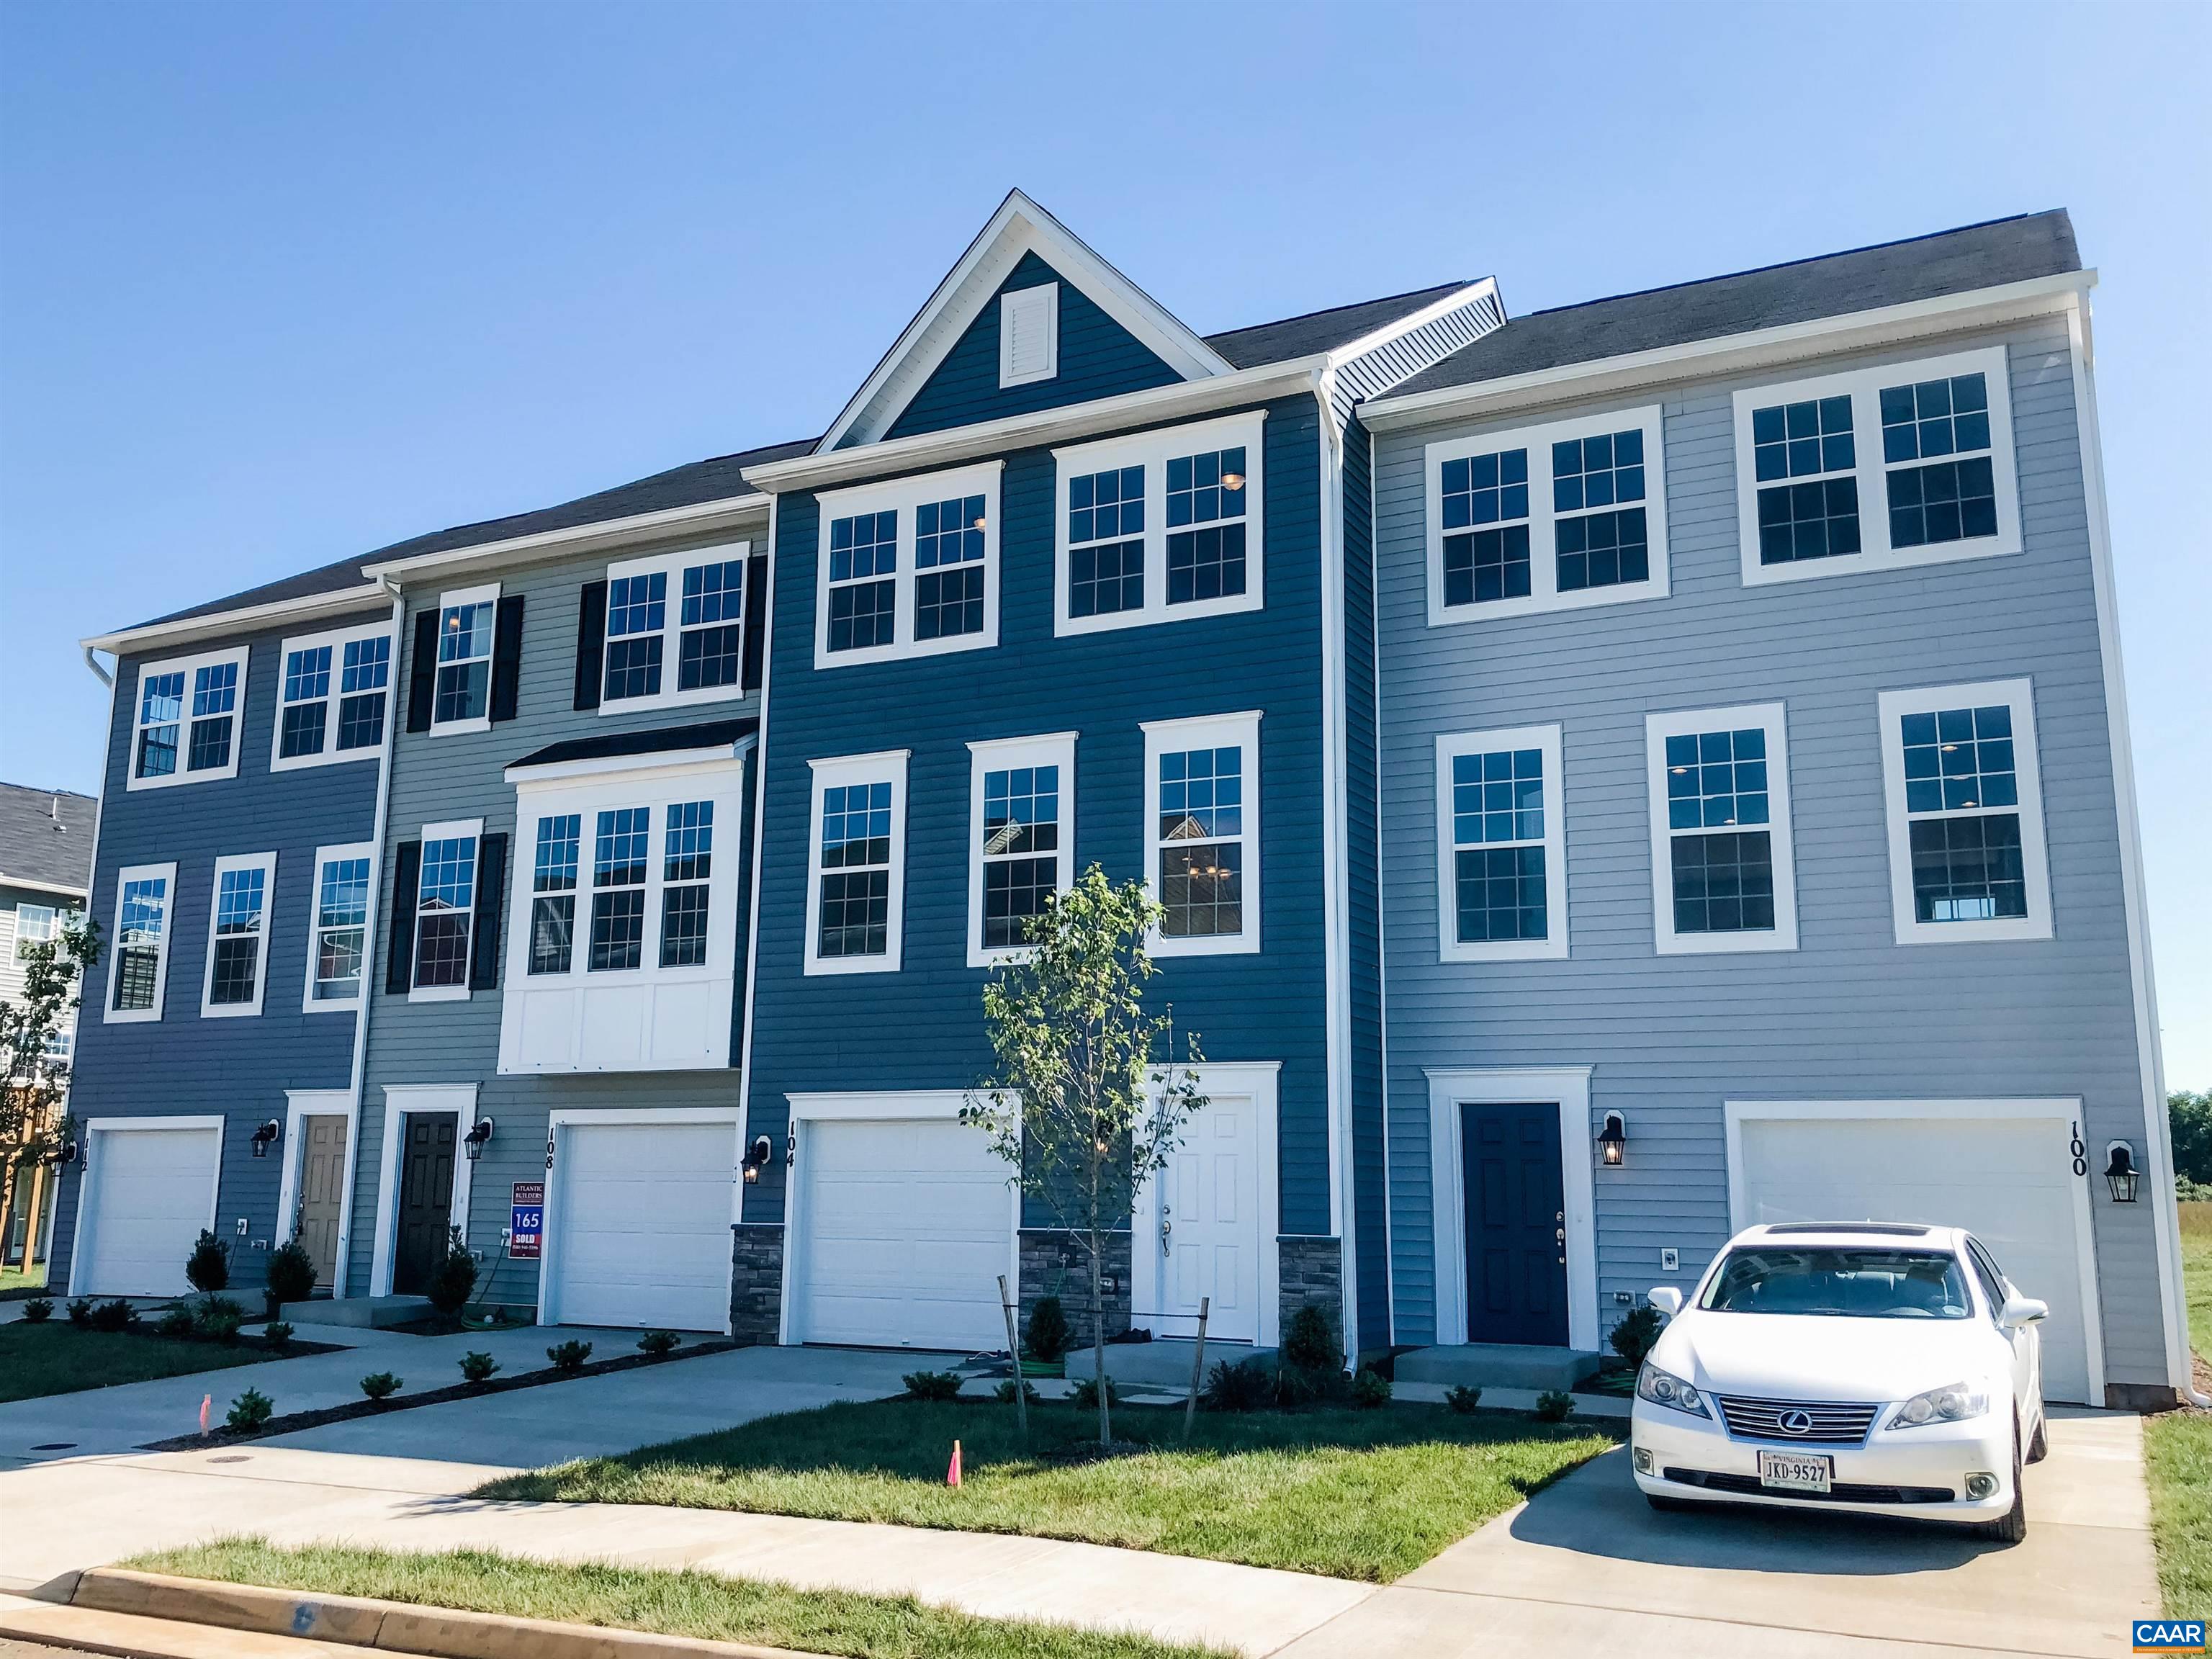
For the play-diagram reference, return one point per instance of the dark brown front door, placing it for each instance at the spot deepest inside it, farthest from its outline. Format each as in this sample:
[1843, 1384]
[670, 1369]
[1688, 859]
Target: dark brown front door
[425, 1200]
[322, 1183]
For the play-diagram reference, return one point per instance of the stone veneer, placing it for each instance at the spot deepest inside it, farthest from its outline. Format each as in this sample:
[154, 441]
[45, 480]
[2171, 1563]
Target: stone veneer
[756, 1282]
[1312, 1270]
[1052, 1263]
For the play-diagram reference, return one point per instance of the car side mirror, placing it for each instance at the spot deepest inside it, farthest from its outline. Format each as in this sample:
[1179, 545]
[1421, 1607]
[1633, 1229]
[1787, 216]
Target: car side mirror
[1667, 1299]
[2020, 1310]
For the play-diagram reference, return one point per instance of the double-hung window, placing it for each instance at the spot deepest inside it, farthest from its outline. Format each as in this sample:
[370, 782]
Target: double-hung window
[237, 935]
[856, 864]
[1547, 518]
[1202, 826]
[1501, 846]
[186, 725]
[1964, 804]
[445, 910]
[686, 867]
[461, 694]
[34, 924]
[908, 568]
[139, 967]
[675, 629]
[331, 701]
[338, 931]
[553, 892]
[619, 855]
[1722, 868]
[1021, 837]
[1877, 468]
[1160, 526]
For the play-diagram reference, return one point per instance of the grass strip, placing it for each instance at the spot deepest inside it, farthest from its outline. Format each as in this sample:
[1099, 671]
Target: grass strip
[2178, 1450]
[57, 1357]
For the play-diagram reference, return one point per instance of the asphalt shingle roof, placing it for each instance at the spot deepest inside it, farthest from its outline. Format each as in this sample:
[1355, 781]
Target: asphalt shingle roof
[660, 740]
[45, 837]
[1320, 330]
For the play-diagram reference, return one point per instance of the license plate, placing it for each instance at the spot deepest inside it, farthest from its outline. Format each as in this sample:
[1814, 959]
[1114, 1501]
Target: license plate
[1796, 1472]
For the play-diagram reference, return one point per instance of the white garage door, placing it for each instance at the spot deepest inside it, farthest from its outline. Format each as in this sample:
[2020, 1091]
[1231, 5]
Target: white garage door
[639, 1232]
[2009, 1181]
[148, 1194]
[905, 1228]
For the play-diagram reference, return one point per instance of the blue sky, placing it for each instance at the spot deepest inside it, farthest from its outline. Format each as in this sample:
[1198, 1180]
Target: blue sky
[279, 284]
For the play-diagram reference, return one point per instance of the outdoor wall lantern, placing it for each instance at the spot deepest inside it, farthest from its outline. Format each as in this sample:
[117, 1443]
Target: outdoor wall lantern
[1612, 1141]
[474, 1140]
[265, 1137]
[758, 1156]
[2120, 1172]
[66, 1154]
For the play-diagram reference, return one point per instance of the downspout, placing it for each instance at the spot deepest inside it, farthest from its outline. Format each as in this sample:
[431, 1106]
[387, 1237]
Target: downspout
[91, 901]
[752, 937]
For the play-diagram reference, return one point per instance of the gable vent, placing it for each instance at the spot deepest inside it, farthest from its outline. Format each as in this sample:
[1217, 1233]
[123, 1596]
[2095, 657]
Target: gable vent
[1029, 335]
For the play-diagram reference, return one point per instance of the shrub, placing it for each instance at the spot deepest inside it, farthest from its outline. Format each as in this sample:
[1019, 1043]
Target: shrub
[1005, 1390]
[116, 1315]
[218, 1318]
[381, 1386]
[291, 1275]
[933, 1385]
[657, 1343]
[1048, 1331]
[569, 1356]
[251, 1410]
[1635, 1336]
[38, 1310]
[455, 1280]
[1554, 1406]
[209, 1265]
[80, 1312]
[1370, 1388]
[1086, 1397]
[176, 1323]
[478, 1367]
[278, 1334]
[1463, 1398]
[1242, 1387]
[1311, 1344]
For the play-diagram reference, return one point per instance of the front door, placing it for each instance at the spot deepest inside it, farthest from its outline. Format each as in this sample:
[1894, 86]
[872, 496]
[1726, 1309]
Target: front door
[425, 1200]
[322, 1185]
[1517, 1224]
[1205, 1229]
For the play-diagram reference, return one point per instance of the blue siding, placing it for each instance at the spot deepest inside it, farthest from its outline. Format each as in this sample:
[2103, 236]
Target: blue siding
[1098, 358]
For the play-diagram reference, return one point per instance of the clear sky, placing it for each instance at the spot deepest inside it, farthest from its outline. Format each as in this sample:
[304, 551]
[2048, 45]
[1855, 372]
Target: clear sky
[282, 283]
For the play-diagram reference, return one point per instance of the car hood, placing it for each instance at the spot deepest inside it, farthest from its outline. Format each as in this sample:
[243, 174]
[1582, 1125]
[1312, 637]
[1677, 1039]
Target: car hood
[1800, 1356]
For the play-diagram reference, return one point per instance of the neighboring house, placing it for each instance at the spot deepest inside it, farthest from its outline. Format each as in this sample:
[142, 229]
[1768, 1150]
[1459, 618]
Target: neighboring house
[1612, 775]
[46, 859]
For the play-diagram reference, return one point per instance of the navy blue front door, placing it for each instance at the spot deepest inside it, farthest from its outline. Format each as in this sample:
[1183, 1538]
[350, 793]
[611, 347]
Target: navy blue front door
[1516, 1222]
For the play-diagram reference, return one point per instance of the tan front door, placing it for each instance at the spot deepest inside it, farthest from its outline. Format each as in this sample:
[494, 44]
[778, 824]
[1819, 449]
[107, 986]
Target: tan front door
[322, 1188]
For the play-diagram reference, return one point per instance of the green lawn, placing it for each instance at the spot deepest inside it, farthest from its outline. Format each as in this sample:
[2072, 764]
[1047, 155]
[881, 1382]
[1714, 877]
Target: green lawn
[57, 1357]
[1365, 1495]
[693, 1604]
[2180, 1449]
[17, 1282]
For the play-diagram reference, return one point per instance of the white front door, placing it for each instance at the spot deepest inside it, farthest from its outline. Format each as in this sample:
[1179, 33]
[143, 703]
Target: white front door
[638, 1230]
[1197, 1228]
[149, 1193]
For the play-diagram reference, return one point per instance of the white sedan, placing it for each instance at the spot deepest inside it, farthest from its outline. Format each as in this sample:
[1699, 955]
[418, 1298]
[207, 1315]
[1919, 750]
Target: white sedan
[1879, 1367]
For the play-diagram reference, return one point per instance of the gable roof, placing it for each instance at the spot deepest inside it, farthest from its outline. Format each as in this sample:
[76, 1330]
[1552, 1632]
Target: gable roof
[1987, 255]
[46, 838]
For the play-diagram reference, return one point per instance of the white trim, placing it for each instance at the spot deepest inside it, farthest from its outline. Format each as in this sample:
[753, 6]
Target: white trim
[402, 1101]
[758, 829]
[228, 865]
[1153, 450]
[468, 829]
[88, 1215]
[240, 657]
[1056, 749]
[2018, 695]
[455, 599]
[1450, 1088]
[1547, 741]
[166, 875]
[701, 519]
[1773, 719]
[1543, 518]
[319, 1102]
[1336, 836]
[1207, 732]
[327, 855]
[905, 497]
[2063, 1110]
[1863, 386]
[336, 641]
[185, 630]
[1039, 307]
[1260, 1080]
[672, 629]
[659, 764]
[887, 766]
[40, 884]
[1382, 919]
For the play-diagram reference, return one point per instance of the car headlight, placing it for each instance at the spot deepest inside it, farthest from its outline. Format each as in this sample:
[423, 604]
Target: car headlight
[1954, 1402]
[1665, 1389]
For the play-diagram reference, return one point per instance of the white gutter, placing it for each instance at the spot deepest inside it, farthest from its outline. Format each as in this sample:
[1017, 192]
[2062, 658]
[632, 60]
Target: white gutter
[723, 512]
[246, 618]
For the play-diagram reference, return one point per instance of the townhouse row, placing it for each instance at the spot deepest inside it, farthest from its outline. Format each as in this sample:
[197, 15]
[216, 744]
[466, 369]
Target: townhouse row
[1611, 775]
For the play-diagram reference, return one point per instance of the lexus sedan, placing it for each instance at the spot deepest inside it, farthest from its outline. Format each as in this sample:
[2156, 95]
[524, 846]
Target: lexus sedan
[1878, 1367]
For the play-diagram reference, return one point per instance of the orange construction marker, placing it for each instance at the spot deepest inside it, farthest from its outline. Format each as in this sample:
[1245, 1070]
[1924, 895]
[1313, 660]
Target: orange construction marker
[206, 1400]
[952, 1470]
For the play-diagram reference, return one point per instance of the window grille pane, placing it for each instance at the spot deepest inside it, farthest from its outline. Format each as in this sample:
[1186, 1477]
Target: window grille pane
[1968, 869]
[1486, 565]
[308, 675]
[1202, 889]
[559, 846]
[862, 614]
[1497, 797]
[1600, 472]
[621, 850]
[855, 913]
[1205, 564]
[1481, 490]
[1106, 580]
[1014, 890]
[1500, 894]
[617, 930]
[690, 843]
[1818, 521]
[1602, 549]
[552, 931]
[302, 730]
[1723, 883]
[1202, 793]
[448, 892]
[948, 533]
[1958, 759]
[1204, 488]
[684, 927]
[1101, 506]
[948, 603]
[1717, 780]
[1803, 440]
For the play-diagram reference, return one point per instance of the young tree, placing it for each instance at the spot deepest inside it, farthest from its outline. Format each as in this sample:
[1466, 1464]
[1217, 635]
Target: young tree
[34, 1076]
[1087, 1100]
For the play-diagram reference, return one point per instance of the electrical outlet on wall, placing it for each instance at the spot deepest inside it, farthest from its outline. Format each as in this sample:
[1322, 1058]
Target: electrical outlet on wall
[241, 1226]
[1670, 1262]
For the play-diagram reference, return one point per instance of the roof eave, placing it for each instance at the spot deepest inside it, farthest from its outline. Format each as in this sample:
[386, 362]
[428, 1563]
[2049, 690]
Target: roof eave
[40, 884]
[700, 517]
[186, 630]
[1465, 293]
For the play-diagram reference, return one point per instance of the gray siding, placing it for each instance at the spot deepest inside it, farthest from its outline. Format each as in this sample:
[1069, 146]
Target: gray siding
[1851, 1013]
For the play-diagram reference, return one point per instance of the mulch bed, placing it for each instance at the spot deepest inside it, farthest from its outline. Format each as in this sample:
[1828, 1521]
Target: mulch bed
[294, 1421]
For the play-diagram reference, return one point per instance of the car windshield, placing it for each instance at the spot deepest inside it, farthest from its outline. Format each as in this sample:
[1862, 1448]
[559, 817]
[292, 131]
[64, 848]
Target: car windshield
[1840, 1283]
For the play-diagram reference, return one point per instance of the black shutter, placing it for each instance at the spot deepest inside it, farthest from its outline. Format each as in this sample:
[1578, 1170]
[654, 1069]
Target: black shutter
[507, 657]
[591, 643]
[406, 884]
[422, 672]
[756, 618]
[491, 904]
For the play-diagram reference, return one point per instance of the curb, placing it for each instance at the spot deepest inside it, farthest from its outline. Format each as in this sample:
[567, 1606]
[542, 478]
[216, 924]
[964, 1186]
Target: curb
[362, 1622]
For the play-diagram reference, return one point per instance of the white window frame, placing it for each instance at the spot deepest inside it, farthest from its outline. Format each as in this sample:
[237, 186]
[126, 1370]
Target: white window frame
[266, 863]
[1152, 451]
[488, 593]
[2019, 694]
[1773, 719]
[1547, 740]
[1544, 594]
[330, 754]
[1863, 386]
[1206, 732]
[673, 565]
[1042, 304]
[325, 856]
[887, 766]
[454, 830]
[47, 920]
[189, 667]
[166, 875]
[1005, 754]
[903, 496]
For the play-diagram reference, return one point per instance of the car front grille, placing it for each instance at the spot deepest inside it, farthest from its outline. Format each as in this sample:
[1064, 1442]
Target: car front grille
[1842, 1491]
[1828, 1423]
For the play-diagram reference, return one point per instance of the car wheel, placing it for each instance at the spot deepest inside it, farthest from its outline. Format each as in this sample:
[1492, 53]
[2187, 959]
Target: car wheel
[2040, 1448]
[1669, 1505]
[2011, 1527]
